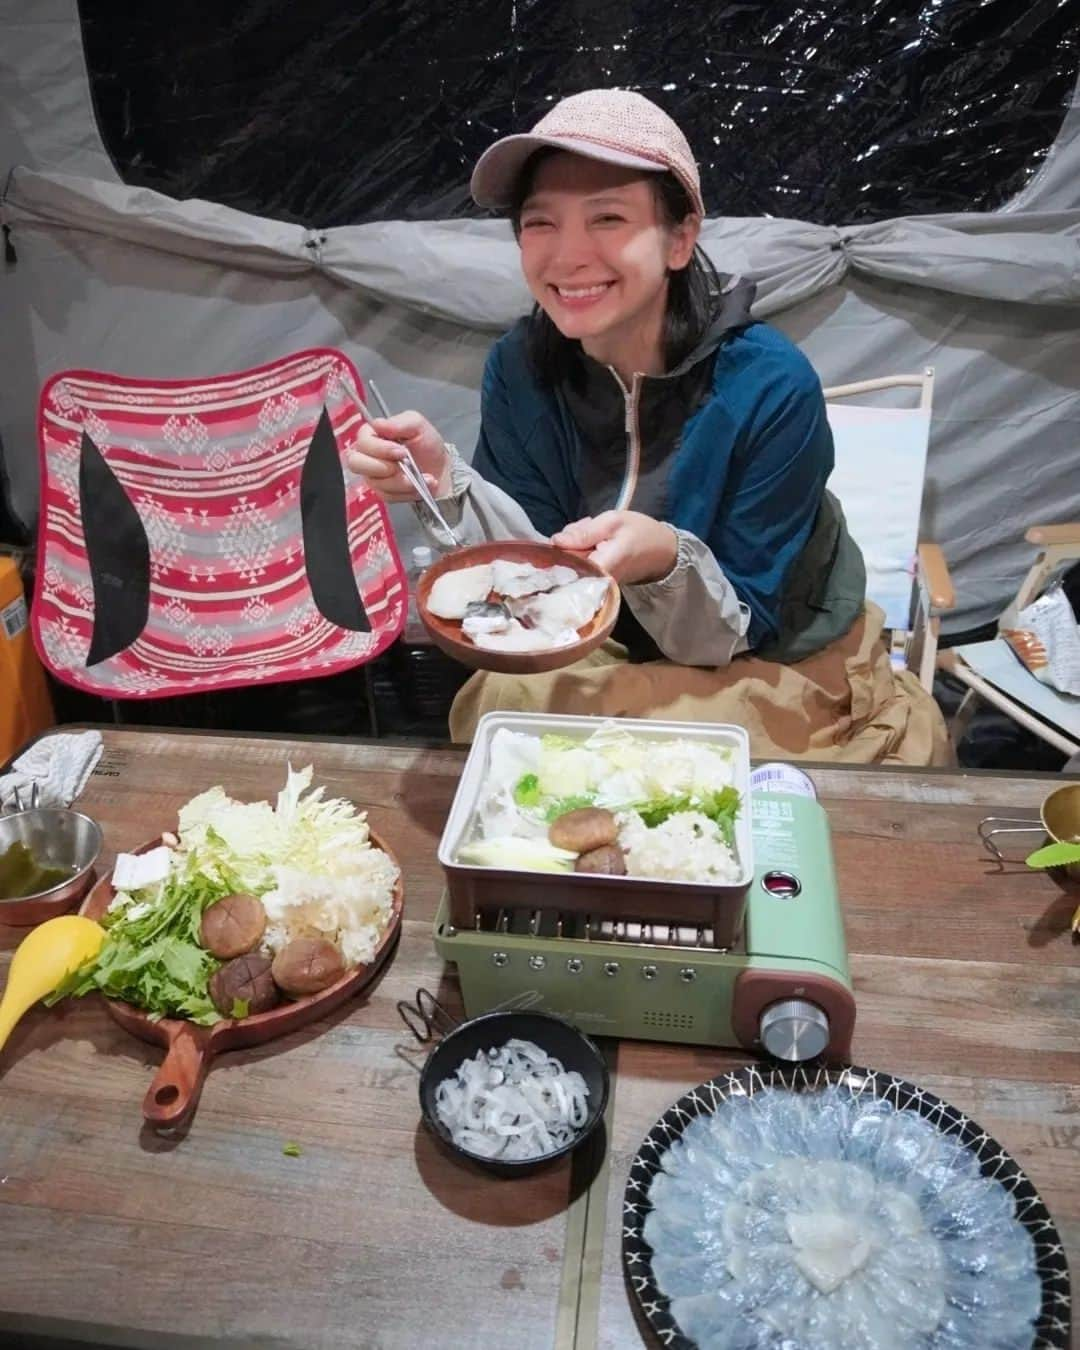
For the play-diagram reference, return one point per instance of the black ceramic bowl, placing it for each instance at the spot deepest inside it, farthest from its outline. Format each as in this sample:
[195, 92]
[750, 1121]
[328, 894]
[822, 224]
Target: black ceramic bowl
[490, 1031]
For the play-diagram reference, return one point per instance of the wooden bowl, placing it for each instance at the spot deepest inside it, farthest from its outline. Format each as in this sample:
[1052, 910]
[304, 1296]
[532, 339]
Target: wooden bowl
[446, 633]
[173, 1094]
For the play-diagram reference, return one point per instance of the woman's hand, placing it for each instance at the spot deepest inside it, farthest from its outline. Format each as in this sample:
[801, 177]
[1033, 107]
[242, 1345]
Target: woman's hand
[630, 546]
[378, 453]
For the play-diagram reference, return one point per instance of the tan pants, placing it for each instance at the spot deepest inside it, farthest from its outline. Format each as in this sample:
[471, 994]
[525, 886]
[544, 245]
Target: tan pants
[844, 703]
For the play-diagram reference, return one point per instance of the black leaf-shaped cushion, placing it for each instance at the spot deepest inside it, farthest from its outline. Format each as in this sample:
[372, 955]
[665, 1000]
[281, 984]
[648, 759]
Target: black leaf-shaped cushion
[326, 540]
[118, 555]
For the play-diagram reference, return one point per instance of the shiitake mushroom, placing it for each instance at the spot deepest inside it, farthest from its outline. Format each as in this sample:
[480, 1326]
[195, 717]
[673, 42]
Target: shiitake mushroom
[306, 965]
[581, 831]
[232, 926]
[608, 859]
[246, 979]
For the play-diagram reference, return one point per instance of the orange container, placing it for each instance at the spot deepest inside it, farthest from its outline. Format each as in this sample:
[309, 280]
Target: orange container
[25, 706]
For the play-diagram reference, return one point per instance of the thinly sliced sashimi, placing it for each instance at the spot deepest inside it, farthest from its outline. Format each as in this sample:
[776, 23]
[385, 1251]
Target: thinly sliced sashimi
[569, 606]
[828, 1218]
[454, 591]
[514, 579]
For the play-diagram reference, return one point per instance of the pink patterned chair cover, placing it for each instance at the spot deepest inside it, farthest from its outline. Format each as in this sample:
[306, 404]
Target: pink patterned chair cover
[203, 534]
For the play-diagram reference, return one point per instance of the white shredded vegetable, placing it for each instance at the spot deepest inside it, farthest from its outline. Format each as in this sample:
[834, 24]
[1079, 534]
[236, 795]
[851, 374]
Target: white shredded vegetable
[512, 1103]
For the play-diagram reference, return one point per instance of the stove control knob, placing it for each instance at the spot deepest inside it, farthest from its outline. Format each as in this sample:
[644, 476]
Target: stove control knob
[794, 1029]
[611, 967]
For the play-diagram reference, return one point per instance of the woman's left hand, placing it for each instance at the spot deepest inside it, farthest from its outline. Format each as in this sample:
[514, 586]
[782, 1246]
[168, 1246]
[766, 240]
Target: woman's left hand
[630, 546]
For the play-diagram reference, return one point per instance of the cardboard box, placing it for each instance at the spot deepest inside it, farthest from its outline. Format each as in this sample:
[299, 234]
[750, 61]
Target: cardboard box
[25, 706]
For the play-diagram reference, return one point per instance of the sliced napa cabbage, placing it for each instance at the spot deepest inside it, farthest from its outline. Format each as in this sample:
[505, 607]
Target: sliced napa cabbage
[531, 855]
[305, 832]
[570, 772]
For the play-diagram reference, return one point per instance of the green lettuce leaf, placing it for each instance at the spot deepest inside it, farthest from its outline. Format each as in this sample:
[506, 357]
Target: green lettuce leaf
[153, 960]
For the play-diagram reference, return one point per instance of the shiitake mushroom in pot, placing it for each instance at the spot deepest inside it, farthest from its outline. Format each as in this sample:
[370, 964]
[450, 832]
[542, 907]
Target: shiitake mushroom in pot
[581, 831]
[232, 926]
[246, 980]
[608, 859]
[307, 965]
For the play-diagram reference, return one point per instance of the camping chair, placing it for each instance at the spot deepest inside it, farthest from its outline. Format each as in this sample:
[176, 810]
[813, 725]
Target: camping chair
[878, 477]
[201, 535]
[992, 671]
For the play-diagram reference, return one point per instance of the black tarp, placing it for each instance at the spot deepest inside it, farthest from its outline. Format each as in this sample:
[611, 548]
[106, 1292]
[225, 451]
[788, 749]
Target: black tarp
[833, 112]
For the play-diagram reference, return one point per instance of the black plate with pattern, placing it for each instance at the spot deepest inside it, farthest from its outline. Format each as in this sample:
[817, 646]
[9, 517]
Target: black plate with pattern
[1052, 1329]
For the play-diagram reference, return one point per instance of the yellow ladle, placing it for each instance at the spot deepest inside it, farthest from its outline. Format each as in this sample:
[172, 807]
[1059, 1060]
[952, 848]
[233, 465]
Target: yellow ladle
[41, 961]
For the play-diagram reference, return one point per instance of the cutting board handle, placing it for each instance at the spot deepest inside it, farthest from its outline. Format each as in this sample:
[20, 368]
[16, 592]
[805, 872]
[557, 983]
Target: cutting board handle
[174, 1093]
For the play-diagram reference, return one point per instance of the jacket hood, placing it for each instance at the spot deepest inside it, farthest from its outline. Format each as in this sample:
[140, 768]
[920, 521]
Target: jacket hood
[731, 313]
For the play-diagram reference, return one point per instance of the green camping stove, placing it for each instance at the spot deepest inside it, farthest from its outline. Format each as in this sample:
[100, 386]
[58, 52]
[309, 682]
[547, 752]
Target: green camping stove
[783, 988]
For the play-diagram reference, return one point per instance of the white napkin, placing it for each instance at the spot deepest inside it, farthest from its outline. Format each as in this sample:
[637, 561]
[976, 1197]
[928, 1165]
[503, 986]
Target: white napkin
[59, 764]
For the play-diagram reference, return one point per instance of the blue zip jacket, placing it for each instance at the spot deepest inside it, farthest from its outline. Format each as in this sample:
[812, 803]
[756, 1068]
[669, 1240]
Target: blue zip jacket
[735, 448]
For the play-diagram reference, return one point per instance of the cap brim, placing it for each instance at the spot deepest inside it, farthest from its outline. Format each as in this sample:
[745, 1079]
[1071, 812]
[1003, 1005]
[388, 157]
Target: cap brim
[499, 167]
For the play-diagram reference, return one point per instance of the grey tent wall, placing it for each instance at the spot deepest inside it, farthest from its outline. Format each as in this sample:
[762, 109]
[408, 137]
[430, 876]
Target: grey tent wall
[115, 278]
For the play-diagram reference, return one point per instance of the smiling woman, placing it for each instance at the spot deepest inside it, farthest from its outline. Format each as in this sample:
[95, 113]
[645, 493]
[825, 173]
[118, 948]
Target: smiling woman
[641, 417]
[601, 246]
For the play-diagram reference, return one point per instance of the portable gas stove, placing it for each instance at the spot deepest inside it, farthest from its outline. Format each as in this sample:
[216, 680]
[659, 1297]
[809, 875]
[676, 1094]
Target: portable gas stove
[782, 987]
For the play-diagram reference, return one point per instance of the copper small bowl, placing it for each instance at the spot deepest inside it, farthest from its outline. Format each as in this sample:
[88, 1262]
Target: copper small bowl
[57, 838]
[446, 633]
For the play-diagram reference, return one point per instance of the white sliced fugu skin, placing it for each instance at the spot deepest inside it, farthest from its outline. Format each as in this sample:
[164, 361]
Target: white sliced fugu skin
[824, 1219]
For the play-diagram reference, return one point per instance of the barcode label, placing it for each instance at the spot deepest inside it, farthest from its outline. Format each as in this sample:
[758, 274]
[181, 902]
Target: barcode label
[13, 617]
[786, 778]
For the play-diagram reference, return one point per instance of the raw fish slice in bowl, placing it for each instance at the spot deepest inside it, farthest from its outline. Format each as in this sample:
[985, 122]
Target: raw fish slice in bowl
[538, 613]
[515, 579]
[569, 606]
[452, 593]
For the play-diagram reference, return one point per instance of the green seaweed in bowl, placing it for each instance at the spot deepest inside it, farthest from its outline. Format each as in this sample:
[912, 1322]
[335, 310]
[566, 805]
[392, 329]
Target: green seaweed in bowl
[21, 874]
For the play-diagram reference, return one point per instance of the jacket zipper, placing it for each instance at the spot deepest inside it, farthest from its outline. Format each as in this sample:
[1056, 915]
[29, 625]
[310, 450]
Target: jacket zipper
[631, 398]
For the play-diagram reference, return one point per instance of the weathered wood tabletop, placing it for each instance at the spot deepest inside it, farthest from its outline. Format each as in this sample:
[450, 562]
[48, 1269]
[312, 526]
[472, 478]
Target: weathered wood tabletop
[965, 980]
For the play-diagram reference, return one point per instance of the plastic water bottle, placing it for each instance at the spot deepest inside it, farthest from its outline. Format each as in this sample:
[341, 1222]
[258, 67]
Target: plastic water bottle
[421, 559]
[414, 683]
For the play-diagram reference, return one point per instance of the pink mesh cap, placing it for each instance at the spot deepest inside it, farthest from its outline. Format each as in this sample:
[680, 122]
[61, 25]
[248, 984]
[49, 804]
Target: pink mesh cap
[614, 125]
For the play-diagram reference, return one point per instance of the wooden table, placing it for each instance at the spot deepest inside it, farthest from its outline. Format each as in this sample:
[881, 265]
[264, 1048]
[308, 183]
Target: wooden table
[965, 980]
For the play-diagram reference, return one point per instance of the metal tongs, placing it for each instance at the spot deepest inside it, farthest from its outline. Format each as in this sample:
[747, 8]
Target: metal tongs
[408, 465]
[33, 796]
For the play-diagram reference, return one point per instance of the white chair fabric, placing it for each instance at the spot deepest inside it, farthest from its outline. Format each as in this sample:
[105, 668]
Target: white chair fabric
[879, 474]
